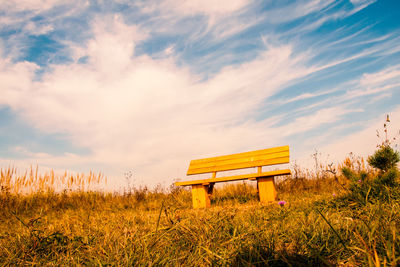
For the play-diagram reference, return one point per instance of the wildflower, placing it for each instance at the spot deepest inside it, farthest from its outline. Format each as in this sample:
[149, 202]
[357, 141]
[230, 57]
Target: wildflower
[334, 194]
[282, 203]
[359, 181]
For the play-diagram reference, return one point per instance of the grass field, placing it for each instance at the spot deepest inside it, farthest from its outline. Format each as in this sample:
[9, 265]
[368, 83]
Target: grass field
[322, 223]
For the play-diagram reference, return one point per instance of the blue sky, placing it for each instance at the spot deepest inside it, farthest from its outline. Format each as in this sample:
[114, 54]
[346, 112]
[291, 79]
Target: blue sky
[147, 86]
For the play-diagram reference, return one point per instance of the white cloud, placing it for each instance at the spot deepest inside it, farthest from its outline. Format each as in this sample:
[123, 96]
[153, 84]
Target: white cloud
[308, 96]
[113, 45]
[35, 29]
[363, 142]
[153, 115]
[360, 5]
[146, 114]
[24, 19]
[370, 91]
[206, 7]
[381, 77]
[375, 83]
[321, 117]
[309, 7]
[30, 5]
[16, 80]
[169, 50]
[214, 20]
[296, 10]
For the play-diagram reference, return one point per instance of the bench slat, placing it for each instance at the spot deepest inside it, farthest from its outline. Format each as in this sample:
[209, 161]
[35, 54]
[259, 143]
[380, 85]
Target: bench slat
[250, 159]
[240, 163]
[213, 163]
[249, 164]
[235, 178]
[244, 154]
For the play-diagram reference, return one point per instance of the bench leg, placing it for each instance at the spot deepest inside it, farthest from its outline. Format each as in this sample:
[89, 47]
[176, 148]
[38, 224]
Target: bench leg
[266, 189]
[200, 196]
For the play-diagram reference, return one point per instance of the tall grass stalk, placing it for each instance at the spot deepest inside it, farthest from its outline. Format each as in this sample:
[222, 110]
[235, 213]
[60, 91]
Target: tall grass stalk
[42, 226]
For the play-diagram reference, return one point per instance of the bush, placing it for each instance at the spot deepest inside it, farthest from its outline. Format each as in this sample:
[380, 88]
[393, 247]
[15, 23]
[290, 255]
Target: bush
[360, 184]
[388, 178]
[365, 186]
[385, 158]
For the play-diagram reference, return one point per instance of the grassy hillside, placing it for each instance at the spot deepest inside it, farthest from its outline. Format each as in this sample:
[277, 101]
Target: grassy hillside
[325, 221]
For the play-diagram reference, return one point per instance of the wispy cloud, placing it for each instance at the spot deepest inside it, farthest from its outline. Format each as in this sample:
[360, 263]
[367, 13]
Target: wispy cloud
[156, 83]
[295, 10]
[208, 7]
[308, 96]
[363, 142]
[31, 5]
[121, 105]
[321, 117]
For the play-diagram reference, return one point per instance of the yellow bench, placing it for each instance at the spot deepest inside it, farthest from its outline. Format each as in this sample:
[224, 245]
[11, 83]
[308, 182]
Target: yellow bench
[202, 189]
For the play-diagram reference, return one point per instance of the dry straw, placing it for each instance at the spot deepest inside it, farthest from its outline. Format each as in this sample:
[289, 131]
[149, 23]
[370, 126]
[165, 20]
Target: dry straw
[11, 181]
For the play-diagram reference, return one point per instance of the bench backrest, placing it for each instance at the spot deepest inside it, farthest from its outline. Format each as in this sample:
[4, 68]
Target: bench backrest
[264, 157]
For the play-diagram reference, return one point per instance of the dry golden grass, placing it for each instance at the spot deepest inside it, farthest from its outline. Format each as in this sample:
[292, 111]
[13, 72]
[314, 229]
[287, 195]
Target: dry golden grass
[320, 224]
[32, 182]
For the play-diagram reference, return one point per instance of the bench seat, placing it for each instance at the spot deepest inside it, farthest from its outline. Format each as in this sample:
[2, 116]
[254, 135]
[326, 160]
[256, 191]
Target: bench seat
[250, 176]
[203, 188]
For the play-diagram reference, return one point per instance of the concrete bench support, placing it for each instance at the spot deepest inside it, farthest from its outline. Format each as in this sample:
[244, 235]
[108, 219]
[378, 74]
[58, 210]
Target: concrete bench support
[200, 196]
[266, 189]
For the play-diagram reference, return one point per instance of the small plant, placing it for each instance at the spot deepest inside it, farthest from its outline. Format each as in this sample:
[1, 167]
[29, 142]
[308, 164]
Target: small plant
[360, 184]
[385, 158]
[372, 185]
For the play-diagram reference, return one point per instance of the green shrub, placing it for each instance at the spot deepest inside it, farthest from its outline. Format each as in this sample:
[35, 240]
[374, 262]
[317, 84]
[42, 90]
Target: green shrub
[365, 187]
[389, 178]
[360, 185]
[385, 158]
[380, 184]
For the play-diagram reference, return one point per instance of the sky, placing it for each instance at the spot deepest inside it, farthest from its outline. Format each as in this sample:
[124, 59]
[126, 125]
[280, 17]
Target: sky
[147, 86]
